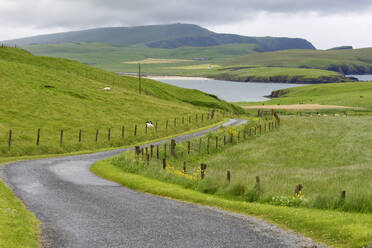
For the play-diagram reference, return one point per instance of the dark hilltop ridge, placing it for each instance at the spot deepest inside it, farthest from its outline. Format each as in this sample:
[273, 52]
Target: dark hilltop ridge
[163, 36]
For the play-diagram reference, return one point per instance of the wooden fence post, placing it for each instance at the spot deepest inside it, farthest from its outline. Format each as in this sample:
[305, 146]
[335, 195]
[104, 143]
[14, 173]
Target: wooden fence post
[238, 136]
[137, 151]
[135, 130]
[173, 148]
[164, 163]
[298, 189]
[151, 150]
[175, 122]
[183, 120]
[200, 143]
[216, 142]
[38, 137]
[109, 134]
[156, 126]
[79, 135]
[165, 150]
[157, 152]
[224, 140]
[188, 147]
[166, 124]
[10, 138]
[189, 119]
[184, 167]
[231, 138]
[147, 159]
[97, 132]
[343, 195]
[61, 138]
[203, 167]
[228, 176]
[122, 132]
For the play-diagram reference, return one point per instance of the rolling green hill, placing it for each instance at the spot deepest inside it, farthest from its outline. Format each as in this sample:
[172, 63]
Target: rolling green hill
[54, 94]
[349, 61]
[163, 36]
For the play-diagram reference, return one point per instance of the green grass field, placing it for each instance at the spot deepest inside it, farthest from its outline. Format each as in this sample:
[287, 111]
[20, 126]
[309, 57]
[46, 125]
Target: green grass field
[57, 94]
[335, 157]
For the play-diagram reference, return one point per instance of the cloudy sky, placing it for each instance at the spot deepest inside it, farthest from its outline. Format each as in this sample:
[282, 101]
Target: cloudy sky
[325, 23]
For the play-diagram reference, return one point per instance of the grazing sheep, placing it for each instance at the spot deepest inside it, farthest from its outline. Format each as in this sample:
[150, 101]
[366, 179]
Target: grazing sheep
[149, 124]
[107, 89]
[337, 115]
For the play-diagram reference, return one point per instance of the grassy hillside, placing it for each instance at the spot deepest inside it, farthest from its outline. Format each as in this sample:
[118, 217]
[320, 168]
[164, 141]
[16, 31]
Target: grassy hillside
[342, 94]
[54, 94]
[350, 61]
[164, 36]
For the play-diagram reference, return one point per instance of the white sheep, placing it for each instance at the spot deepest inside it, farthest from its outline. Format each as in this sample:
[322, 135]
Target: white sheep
[107, 89]
[149, 124]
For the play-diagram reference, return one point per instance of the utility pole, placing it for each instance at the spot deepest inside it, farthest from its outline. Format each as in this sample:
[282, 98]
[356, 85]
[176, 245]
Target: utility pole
[139, 79]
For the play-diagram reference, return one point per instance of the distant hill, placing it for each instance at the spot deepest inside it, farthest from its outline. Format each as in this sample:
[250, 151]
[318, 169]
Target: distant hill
[163, 36]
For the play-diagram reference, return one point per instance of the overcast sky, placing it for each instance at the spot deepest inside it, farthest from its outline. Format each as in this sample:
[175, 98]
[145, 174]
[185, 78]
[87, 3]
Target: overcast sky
[325, 23]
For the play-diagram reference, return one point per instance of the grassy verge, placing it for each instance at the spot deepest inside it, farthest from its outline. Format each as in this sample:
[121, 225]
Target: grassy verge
[331, 227]
[19, 227]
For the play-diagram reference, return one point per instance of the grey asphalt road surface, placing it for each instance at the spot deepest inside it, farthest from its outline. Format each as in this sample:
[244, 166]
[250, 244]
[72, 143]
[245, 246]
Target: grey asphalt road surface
[79, 209]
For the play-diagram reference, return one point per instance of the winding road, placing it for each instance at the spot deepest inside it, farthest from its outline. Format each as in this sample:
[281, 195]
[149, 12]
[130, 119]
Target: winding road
[79, 209]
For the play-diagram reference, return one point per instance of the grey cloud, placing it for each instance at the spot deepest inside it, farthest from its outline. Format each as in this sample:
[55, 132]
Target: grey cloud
[73, 14]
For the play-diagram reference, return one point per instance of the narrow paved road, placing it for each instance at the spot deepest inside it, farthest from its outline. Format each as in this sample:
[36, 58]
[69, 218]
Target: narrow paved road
[79, 209]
